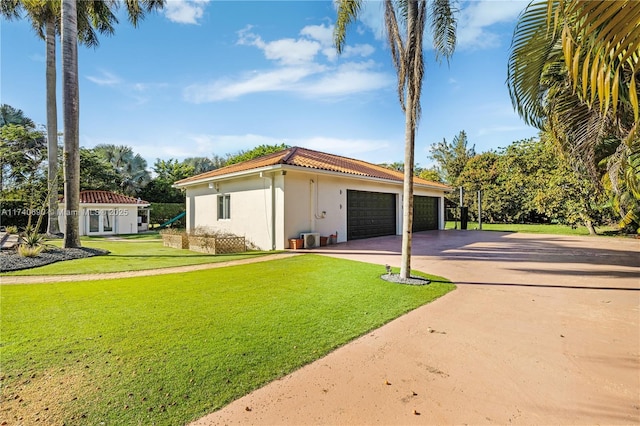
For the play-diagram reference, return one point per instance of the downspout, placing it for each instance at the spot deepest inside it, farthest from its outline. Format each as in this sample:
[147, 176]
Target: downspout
[271, 179]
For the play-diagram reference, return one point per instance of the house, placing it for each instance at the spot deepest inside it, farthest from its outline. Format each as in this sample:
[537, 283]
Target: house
[280, 196]
[108, 213]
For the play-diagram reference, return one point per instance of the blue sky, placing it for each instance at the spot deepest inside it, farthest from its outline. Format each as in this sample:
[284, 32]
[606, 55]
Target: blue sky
[216, 77]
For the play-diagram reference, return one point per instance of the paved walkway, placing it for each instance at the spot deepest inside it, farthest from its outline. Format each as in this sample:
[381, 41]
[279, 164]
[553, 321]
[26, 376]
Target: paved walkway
[541, 330]
[43, 279]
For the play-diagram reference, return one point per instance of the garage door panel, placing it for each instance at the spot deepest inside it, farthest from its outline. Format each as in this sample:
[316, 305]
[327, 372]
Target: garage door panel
[370, 214]
[425, 213]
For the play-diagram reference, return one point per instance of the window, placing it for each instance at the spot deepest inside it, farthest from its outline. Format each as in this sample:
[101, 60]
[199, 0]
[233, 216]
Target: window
[224, 206]
[107, 221]
[94, 221]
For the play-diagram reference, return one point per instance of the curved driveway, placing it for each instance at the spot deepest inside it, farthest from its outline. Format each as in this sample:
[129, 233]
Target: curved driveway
[541, 330]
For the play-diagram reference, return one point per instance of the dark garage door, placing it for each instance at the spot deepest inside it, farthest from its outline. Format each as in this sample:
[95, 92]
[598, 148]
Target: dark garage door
[425, 213]
[370, 214]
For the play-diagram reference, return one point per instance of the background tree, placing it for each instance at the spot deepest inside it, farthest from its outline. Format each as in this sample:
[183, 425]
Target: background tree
[565, 79]
[407, 56]
[130, 168]
[256, 152]
[23, 151]
[11, 115]
[451, 158]
[45, 19]
[97, 173]
[431, 174]
[203, 164]
[160, 189]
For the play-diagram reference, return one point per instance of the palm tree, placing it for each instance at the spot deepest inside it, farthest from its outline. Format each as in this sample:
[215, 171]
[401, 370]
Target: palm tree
[70, 113]
[407, 56]
[45, 19]
[562, 80]
[131, 168]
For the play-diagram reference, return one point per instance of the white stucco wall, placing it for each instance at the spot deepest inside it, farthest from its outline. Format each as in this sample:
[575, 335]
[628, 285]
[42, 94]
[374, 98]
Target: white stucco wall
[250, 205]
[125, 218]
[304, 202]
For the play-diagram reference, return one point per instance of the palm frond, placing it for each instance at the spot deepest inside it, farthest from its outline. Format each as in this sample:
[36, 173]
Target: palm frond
[531, 48]
[347, 12]
[612, 31]
[443, 28]
[397, 47]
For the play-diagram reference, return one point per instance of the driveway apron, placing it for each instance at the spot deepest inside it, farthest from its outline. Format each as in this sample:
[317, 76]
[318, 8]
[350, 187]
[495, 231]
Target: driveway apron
[542, 329]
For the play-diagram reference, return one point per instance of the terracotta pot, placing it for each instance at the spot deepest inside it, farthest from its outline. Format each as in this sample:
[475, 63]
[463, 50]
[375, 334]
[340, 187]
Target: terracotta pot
[296, 243]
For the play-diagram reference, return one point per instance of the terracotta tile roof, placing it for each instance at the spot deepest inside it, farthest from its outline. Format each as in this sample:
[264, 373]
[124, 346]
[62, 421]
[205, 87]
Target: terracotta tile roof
[303, 157]
[106, 197]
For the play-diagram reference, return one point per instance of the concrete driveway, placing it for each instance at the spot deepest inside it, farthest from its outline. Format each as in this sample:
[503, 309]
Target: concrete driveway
[542, 329]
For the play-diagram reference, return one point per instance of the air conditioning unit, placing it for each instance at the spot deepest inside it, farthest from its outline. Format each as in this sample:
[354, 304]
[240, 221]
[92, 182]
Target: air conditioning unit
[311, 239]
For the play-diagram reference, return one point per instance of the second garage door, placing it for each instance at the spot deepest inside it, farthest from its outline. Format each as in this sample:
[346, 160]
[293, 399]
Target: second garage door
[370, 214]
[425, 213]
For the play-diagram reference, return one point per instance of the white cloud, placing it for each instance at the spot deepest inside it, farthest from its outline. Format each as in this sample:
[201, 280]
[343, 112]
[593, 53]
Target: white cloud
[322, 33]
[105, 78]
[477, 17]
[297, 68]
[286, 51]
[281, 79]
[363, 50]
[185, 11]
[208, 144]
[348, 79]
[475, 20]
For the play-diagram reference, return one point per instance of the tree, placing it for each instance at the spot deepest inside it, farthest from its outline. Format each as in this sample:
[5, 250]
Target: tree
[24, 150]
[452, 158]
[11, 115]
[70, 108]
[45, 19]
[130, 168]
[203, 164]
[431, 174]
[160, 189]
[256, 152]
[87, 16]
[407, 56]
[97, 173]
[577, 79]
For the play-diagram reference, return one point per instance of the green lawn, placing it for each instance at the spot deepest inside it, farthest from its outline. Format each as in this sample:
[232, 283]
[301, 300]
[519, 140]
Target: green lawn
[535, 228]
[169, 349]
[130, 256]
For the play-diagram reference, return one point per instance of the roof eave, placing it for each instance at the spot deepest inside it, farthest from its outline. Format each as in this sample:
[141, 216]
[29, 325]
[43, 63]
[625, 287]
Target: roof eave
[306, 169]
[226, 176]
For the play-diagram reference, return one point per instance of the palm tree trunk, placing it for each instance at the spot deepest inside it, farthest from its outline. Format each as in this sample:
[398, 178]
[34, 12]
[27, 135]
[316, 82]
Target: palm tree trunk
[52, 127]
[70, 105]
[407, 193]
[410, 110]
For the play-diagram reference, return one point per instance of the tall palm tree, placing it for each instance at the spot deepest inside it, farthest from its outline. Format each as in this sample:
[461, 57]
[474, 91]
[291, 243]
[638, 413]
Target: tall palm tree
[136, 10]
[562, 78]
[70, 113]
[92, 17]
[408, 60]
[45, 19]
